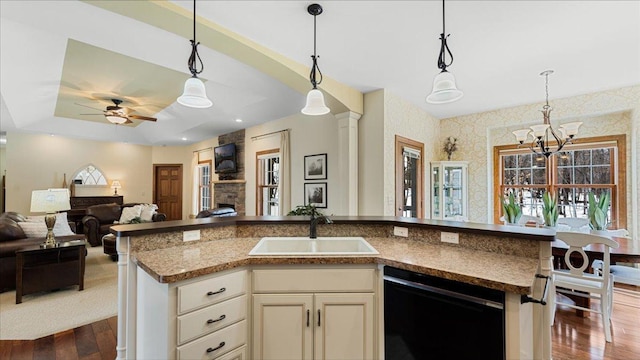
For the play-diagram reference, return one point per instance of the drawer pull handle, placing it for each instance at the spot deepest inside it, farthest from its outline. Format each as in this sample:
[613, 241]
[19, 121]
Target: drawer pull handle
[216, 292]
[211, 321]
[308, 317]
[210, 350]
[318, 317]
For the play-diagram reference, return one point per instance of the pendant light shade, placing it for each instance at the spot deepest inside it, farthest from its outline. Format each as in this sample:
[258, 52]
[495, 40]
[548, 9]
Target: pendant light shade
[315, 103]
[315, 99]
[116, 119]
[195, 94]
[444, 89]
[444, 84]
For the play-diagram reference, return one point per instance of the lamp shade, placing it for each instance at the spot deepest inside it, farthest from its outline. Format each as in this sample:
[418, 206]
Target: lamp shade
[444, 89]
[195, 94]
[315, 103]
[539, 130]
[116, 119]
[571, 129]
[521, 135]
[115, 184]
[50, 201]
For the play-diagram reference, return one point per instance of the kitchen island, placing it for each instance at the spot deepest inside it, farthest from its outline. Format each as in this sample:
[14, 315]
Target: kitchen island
[155, 261]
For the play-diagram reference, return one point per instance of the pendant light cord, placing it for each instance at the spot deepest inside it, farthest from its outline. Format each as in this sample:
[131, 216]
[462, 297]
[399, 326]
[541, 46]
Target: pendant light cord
[314, 57]
[444, 48]
[194, 58]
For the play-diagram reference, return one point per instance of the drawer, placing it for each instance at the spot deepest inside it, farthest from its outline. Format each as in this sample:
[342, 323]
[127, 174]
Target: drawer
[210, 319]
[211, 291]
[237, 354]
[215, 344]
[313, 280]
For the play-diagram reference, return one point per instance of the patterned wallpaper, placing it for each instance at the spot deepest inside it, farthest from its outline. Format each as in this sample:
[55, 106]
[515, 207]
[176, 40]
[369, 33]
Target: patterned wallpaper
[407, 120]
[603, 113]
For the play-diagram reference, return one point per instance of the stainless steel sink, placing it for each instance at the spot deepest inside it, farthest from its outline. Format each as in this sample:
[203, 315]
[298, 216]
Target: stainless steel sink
[304, 246]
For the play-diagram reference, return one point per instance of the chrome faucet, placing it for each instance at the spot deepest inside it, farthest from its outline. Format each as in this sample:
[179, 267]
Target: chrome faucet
[313, 232]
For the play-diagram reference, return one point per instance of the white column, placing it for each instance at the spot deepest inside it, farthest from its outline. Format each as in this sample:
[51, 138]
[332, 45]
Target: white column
[125, 347]
[348, 161]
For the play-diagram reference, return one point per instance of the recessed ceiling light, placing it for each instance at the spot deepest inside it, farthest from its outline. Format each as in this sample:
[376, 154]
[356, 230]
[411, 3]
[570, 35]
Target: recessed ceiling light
[238, 120]
[184, 139]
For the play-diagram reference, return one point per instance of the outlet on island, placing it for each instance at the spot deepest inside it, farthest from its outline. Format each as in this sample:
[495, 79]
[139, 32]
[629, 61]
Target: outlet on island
[191, 235]
[400, 231]
[448, 237]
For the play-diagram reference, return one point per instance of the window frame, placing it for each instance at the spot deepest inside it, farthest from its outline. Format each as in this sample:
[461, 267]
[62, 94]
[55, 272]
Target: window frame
[202, 186]
[260, 172]
[618, 162]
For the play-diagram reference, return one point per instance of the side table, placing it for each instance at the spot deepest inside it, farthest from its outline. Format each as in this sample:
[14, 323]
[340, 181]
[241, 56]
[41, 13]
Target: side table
[40, 269]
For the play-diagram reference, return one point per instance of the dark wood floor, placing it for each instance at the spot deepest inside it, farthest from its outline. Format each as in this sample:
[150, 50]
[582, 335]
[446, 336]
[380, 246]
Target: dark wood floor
[573, 337]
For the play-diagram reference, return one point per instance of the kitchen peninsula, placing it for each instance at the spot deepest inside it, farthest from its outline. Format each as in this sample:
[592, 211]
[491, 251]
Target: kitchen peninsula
[160, 275]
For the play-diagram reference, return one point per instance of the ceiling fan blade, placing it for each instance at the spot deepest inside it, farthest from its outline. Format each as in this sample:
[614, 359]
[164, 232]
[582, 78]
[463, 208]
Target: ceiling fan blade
[89, 107]
[139, 117]
[128, 122]
[91, 114]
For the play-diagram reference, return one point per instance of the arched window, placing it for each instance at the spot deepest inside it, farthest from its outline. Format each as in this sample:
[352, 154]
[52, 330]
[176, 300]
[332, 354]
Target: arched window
[89, 175]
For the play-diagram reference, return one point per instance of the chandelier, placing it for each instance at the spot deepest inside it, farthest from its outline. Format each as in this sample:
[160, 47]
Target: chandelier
[547, 141]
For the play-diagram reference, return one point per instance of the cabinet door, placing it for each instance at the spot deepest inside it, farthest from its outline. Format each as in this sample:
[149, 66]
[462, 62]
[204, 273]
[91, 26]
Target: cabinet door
[282, 326]
[345, 330]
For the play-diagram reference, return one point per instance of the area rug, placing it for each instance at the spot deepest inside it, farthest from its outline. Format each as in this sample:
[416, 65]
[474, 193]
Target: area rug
[47, 313]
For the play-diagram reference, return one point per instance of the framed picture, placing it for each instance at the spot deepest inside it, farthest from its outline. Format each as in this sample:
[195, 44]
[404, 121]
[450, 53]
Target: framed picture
[315, 194]
[315, 167]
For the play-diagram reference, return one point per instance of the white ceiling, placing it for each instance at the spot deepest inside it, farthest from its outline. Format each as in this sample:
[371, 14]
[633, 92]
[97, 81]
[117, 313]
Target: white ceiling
[500, 47]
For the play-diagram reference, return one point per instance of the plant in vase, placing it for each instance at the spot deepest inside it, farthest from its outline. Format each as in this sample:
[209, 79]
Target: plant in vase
[597, 212]
[511, 209]
[549, 209]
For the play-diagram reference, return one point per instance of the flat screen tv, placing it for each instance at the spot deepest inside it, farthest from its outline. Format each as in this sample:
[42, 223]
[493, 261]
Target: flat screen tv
[225, 159]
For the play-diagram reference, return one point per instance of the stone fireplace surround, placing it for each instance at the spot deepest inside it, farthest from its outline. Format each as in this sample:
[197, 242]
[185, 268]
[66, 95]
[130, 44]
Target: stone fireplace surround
[232, 191]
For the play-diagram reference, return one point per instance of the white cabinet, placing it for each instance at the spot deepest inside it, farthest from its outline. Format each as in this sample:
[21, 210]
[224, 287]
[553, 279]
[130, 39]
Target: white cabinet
[202, 318]
[317, 318]
[449, 190]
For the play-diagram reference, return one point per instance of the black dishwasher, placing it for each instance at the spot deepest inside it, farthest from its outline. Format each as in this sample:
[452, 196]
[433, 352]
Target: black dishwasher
[427, 317]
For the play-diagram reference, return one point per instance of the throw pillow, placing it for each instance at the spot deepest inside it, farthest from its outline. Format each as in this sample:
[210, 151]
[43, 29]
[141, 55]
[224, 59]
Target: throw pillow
[128, 213]
[33, 229]
[147, 212]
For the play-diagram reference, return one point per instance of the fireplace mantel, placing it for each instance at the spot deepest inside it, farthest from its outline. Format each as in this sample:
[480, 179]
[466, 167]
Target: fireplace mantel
[229, 182]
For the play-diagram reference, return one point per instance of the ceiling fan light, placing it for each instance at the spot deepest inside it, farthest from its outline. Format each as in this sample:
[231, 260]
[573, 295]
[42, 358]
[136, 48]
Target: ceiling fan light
[315, 104]
[444, 89]
[195, 94]
[116, 119]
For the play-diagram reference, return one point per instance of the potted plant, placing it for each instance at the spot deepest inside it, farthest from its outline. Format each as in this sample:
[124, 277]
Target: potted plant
[549, 209]
[597, 212]
[511, 209]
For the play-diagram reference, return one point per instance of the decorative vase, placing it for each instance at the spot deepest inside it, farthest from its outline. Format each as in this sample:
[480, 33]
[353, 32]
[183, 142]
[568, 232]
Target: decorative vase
[64, 181]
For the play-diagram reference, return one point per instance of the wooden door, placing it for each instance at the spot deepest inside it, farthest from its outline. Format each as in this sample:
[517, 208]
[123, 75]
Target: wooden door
[346, 325]
[167, 190]
[282, 326]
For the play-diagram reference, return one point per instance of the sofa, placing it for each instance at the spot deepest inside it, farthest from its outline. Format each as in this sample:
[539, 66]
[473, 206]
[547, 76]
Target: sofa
[99, 219]
[12, 238]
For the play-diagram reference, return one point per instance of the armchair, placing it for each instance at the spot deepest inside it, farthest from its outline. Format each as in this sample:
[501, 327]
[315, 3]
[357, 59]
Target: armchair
[99, 219]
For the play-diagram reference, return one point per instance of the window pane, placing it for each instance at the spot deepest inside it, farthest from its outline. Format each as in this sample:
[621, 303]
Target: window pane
[509, 177]
[565, 158]
[539, 176]
[582, 175]
[601, 156]
[582, 157]
[524, 177]
[524, 160]
[509, 161]
[565, 175]
[602, 175]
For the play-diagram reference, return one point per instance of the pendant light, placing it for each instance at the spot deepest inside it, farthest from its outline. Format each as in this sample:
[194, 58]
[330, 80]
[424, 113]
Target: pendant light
[315, 99]
[195, 94]
[444, 84]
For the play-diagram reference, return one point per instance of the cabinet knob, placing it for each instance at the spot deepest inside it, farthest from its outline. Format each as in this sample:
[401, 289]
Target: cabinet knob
[210, 350]
[211, 321]
[216, 292]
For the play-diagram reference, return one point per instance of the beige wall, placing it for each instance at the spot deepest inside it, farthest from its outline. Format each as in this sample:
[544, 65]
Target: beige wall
[371, 198]
[603, 113]
[407, 120]
[309, 135]
[36, 161]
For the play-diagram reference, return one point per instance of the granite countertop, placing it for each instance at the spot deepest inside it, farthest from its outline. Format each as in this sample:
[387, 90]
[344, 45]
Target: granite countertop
[496, 271]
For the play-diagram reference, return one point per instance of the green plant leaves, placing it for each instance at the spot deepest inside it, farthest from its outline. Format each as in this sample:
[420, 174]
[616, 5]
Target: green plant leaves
[597, 211]
[549, 209]
[511, 209]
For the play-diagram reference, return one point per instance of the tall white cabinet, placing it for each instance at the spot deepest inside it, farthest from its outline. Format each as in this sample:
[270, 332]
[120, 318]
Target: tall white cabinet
[449, 190]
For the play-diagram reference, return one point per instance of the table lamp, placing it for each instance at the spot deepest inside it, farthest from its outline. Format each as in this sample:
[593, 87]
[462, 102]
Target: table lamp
[50, 201]
[115, 185]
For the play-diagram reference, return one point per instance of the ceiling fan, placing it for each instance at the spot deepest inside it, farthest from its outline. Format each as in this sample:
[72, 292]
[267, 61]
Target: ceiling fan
[118, 115]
